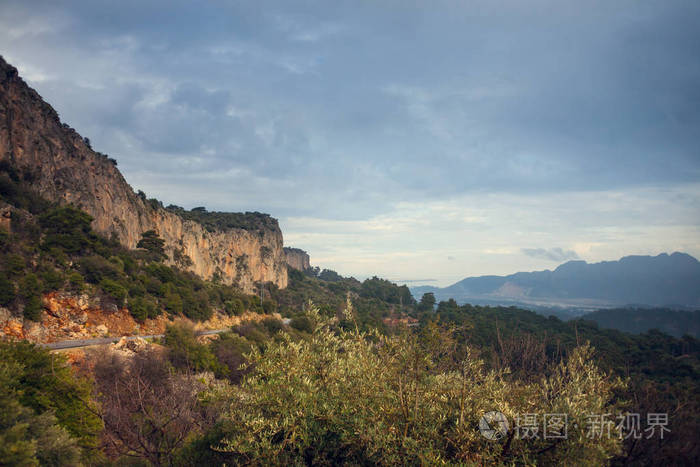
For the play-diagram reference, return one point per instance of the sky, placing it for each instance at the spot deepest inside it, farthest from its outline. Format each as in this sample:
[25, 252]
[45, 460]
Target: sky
[423, 142]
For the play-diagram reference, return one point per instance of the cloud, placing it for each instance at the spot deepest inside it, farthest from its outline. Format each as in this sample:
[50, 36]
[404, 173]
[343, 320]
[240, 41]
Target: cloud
[551, 254]
[340, 102]
[412, 281]
[299, 28]
[418, 237]
[450, 131]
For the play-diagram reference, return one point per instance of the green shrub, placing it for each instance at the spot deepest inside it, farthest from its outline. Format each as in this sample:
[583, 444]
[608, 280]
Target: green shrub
[44, 383]
[302, 323]
[117, 262]
[58, 255]
[252, 303]
[153, 286]
[230, 351]
[136, 290]
[151, 242]
[32, 308]
[162, 272]
[273, 325]
[142, 308]
[76, 281]
[173, 303]
[195, 305]
[96, 268]
[29, 286]
[130, 265]
[185, 352]
[7, 290]
[67, 228]
[15, 265]
[181, 259]
[234, 307]
[269, 306]
[408, 399]
[53, 279]
[252, 332]
[115, 290]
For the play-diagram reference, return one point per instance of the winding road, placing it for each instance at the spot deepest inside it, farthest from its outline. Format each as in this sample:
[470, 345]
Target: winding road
[110, 340]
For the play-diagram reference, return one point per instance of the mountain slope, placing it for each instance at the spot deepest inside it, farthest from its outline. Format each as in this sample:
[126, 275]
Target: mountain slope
[663, 280]
[62, 167]
[640, 320]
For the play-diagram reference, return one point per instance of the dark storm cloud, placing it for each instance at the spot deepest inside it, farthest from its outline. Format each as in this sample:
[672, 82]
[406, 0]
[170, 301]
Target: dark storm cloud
[551, 254]
[342, 109]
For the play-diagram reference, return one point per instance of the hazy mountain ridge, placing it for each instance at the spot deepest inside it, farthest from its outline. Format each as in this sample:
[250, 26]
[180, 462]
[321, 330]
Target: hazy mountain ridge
[662, 280]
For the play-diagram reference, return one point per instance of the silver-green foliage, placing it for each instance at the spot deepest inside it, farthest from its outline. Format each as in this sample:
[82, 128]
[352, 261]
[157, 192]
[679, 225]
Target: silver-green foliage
[358, 398]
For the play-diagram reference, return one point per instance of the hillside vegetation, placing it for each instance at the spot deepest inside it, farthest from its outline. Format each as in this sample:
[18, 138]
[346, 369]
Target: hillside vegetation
[662, 372]
[676, 323]
[345, 381]
[53, 248]
[213, 220]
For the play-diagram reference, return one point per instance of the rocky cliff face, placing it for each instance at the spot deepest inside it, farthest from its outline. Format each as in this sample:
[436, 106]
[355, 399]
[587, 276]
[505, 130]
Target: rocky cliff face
[63, 168]
[297, 259]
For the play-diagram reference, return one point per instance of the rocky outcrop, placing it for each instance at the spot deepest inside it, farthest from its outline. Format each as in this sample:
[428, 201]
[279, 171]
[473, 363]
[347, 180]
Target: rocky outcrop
[62, 167]
[68, 316]
[297, 259]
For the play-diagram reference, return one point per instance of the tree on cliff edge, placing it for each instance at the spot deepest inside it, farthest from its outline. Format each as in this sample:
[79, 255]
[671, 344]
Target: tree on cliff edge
[151, 242]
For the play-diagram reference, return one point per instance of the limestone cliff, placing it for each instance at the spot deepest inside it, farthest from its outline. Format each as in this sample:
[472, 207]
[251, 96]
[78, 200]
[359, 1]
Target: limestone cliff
[297, 258]
[62, 167]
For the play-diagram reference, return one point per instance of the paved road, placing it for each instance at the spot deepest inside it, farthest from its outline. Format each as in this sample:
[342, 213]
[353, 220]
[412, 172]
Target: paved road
[111, 340]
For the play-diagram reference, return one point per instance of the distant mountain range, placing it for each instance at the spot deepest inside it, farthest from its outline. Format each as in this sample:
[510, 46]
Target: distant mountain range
[661, 281]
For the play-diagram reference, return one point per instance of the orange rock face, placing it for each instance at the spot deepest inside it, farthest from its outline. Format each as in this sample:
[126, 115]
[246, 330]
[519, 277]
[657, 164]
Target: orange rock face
[71, 317]
[77, 317]
[14, 329]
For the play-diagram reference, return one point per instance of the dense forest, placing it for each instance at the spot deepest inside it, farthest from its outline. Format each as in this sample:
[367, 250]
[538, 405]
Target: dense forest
[638, 320]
